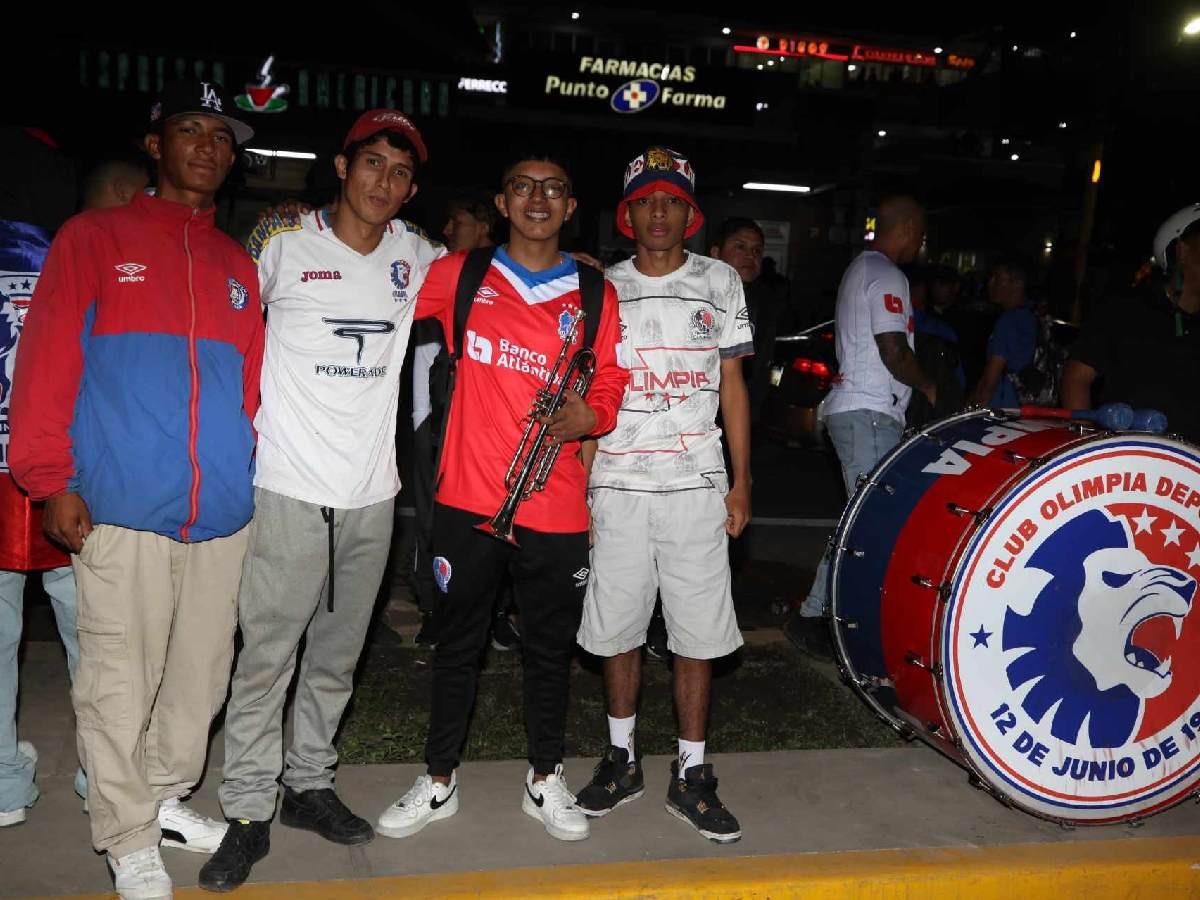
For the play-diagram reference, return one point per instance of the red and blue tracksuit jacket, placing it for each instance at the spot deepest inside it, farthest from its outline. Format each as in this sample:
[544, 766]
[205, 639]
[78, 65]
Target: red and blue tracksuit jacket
[138, 374]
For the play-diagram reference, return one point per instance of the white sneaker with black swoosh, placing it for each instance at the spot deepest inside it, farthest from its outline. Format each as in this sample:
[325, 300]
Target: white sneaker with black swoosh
[426, 801]
[554, 806]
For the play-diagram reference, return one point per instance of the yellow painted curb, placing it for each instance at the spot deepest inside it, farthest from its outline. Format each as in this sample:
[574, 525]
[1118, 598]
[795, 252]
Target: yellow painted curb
[1158, 868]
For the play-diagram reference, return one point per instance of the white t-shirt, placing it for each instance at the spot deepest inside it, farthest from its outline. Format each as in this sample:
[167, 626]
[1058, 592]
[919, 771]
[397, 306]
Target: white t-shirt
[872, 299]
[337, 331]
[675, 330]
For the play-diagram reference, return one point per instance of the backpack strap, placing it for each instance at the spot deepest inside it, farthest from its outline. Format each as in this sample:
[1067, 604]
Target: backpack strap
[591, 292]
[474, 269]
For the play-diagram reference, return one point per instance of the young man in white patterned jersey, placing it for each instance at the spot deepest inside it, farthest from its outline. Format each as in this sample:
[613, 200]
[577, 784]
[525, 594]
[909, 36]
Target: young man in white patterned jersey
[662, 506]
[519, 321]
[340, 289]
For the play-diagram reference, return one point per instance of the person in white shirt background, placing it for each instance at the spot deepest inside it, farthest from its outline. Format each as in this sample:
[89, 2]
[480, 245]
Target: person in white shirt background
[878, 372]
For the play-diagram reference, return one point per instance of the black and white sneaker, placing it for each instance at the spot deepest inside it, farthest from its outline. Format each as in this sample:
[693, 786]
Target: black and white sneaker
[693, 799]
[426, 801]
[185, 829]
[616, 780]
[553, 805]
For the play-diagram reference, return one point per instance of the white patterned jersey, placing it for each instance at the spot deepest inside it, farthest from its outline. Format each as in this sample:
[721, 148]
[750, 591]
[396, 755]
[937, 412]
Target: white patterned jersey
[337, 331]
[675, 331]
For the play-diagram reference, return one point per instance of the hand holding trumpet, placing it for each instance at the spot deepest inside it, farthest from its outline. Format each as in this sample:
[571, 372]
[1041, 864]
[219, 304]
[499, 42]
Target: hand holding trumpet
[573, 420]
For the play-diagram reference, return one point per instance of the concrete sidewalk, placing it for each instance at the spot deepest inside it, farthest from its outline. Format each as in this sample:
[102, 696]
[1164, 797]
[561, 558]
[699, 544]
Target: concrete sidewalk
[843, 823]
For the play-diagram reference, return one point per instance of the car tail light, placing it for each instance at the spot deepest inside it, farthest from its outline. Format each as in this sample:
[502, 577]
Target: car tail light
[813, 367]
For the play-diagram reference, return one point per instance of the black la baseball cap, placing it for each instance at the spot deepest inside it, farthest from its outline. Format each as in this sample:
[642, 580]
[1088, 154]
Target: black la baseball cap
[195, 96]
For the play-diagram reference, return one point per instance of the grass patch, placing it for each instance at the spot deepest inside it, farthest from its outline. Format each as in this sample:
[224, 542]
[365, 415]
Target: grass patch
[764, 698]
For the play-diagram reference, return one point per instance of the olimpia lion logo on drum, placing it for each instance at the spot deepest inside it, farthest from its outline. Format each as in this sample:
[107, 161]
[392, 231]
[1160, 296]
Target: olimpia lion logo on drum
[1074, 657]
[1127, 611]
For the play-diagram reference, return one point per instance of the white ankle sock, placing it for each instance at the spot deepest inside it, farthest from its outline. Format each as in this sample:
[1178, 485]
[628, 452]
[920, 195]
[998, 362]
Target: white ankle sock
[691, 753]
[620, 732]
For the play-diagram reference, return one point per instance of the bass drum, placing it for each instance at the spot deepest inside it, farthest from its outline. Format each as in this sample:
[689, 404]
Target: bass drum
[1018, 593]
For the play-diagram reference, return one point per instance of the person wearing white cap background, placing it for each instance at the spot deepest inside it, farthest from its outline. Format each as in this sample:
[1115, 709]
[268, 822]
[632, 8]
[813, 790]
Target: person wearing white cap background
[1144, 349]
[340, 288]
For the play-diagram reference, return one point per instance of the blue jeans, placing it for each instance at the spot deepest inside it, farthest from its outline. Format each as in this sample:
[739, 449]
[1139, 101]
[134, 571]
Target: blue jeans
[17, 789]
[861, 438]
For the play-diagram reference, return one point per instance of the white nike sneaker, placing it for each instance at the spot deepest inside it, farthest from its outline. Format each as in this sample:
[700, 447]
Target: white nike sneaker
[17, 816]
[141, 875]
[185, 829]
[554, 806]
[426, 801]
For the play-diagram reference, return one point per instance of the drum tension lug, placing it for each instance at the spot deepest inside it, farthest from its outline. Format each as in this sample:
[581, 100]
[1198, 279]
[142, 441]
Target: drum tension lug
[977, 514]
[1070, 826]
[943, 589]
[933, 728]
[1014, 457]
[1137, 822]
[883, 486]
[853, 551]
[913, 660]
[850, 624]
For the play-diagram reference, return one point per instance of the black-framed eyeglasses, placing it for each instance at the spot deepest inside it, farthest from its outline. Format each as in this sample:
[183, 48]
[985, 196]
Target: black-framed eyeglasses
[552, 188]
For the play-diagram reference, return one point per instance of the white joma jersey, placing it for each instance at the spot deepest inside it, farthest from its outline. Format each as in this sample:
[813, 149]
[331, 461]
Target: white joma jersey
[337, 331]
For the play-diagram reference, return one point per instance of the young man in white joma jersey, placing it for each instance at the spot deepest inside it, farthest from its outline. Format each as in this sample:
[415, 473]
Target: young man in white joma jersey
[340, 288]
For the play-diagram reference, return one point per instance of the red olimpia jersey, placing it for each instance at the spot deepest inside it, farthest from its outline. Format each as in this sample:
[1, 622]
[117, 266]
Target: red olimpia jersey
[512, 339]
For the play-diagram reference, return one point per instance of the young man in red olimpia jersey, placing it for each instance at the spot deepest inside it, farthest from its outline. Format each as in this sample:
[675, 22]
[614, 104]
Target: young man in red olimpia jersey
[513, 333]
[663, 506]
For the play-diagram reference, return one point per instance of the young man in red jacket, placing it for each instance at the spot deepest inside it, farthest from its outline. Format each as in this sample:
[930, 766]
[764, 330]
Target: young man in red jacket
[519, 320]
[135, 394]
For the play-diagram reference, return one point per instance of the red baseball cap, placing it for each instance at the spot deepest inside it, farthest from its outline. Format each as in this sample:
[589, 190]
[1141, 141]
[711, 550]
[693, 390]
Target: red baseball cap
[376, 120]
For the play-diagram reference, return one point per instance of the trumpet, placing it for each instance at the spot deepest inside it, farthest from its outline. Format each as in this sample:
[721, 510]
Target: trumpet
[534, 457]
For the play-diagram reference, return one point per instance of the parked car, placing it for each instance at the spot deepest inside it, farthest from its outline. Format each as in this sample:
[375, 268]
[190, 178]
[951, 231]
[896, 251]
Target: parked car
[802, 371]
[804, 368]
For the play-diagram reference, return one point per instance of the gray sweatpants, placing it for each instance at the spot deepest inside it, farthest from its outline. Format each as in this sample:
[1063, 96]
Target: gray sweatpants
[283, 598]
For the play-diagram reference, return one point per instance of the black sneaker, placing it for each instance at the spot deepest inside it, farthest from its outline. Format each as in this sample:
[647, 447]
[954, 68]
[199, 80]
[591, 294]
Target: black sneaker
[615, 780]
[322, 811]
[505, 635]
[425, 636]
[244, 844]
[694, 799]
[656, 638]
[810, 635]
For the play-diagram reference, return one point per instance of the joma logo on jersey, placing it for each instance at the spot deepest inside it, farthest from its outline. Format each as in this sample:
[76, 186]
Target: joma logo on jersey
[320, 275]
[643, 382]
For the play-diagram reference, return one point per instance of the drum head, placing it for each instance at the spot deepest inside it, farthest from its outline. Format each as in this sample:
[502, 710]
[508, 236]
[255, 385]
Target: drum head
[1069, 646]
